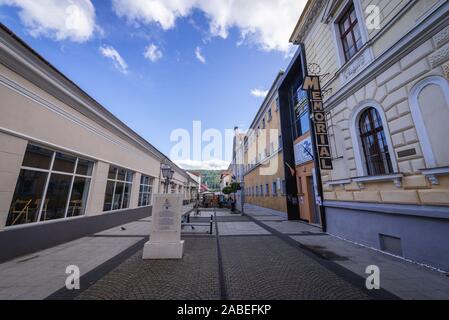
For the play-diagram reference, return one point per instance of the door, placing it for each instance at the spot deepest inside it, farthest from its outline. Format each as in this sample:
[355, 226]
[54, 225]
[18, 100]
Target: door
[314, 211]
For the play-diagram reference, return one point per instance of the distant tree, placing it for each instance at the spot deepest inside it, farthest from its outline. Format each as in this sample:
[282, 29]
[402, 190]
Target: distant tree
[227, 190]
[233, 188]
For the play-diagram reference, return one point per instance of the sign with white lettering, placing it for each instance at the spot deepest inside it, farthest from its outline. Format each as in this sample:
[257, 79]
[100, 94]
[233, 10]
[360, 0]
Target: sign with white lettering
[312, 84]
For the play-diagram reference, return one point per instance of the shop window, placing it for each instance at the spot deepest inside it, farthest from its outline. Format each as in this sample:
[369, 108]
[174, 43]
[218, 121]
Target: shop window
[118, 189]
[146, 191]
[51, 185]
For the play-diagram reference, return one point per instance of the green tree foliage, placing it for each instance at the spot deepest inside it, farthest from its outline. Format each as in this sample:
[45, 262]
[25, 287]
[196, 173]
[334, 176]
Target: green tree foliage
[233, 188]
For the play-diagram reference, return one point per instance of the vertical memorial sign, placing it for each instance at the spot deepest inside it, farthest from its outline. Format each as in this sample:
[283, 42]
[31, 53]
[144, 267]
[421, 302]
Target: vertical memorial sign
[312, 84]
[165, 232]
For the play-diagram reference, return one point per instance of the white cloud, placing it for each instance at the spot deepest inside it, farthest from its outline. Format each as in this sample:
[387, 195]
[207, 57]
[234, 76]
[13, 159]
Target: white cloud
[153, 53]
[259, 93]
[57, 19]
[266, 23]
[203, 165]
[119, 63]
[199, 55]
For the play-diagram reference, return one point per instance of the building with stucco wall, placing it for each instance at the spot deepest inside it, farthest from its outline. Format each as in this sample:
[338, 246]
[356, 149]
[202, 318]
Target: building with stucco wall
[68, 167]
[386, 96]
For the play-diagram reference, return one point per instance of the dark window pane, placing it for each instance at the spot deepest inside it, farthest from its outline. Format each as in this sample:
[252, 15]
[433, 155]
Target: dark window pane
[112, 172]
[118, 196]
[349, 41]
[78, 199]
[346, 24]
[84, 167]
[129, 176]
[37, 157]
[108, 196]
[353, 15]
[375, 148]
[140, 200]
[121, 174]
[27, 197]
[56, 198]
[64, 163]
[126, 196]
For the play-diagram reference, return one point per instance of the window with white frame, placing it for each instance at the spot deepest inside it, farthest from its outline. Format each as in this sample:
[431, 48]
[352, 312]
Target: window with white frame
[374, 143]
[118, 189]
[274, 189]
[146, 191]
[51, 185]
[349, 31]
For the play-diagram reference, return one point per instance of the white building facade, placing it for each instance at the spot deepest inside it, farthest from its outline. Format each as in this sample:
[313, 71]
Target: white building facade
[67, 166]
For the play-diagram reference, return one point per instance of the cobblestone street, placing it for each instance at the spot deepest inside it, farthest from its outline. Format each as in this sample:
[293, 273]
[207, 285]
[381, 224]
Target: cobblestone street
[252, 263]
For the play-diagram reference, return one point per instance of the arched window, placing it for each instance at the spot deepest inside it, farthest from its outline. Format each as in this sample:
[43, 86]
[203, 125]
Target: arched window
[429, 103]
[374, 144]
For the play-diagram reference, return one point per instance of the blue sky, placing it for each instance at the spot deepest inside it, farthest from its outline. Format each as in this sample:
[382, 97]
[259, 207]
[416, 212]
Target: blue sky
[101, 46]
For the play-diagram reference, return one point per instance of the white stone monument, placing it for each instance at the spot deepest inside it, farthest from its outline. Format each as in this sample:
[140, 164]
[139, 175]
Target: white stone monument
[165, 232]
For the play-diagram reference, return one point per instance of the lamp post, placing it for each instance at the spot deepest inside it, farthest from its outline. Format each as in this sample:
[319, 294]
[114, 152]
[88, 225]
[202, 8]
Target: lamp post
[167, 173]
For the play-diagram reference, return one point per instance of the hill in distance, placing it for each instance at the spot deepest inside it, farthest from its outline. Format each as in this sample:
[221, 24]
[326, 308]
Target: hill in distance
[212, 177]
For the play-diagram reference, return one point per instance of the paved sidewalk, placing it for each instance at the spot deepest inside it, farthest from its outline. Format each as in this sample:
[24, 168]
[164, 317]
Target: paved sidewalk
[38, 275]
[405, 279]
[259, 255]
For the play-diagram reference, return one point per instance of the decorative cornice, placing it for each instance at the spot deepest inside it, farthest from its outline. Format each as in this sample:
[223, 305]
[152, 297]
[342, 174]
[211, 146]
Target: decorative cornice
[306, 21]
[442, 37]
[440, 56]
[446, 70]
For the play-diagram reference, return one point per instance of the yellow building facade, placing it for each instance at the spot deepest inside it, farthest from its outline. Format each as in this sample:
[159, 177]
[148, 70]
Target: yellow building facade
[263, 165]
[384, 69]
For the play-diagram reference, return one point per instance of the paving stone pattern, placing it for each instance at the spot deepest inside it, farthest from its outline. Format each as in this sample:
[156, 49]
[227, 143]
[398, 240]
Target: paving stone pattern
[265, 268]
[195, 277]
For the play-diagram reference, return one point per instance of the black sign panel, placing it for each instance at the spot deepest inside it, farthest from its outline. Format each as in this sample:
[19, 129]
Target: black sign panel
[312, 83]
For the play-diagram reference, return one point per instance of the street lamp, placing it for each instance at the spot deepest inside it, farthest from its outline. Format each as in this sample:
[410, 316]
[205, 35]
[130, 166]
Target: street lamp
[167, 173]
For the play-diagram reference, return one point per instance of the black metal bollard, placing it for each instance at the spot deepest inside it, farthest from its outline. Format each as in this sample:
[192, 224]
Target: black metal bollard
[211, 223]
